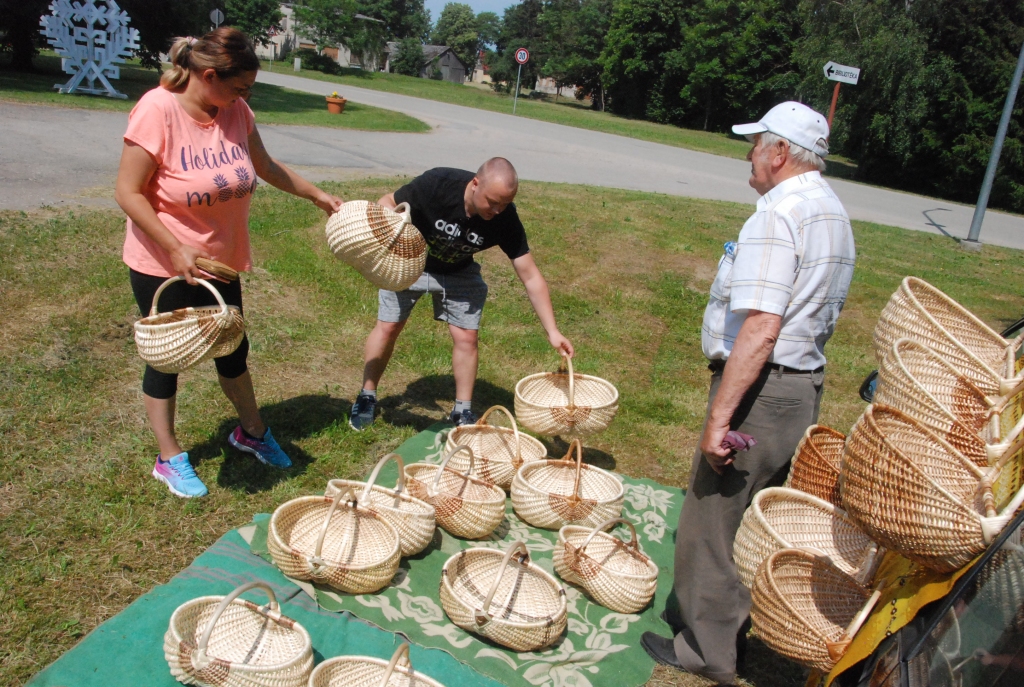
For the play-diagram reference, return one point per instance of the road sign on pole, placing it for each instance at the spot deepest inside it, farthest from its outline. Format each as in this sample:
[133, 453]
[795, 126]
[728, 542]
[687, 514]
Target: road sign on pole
[522, 57]
[840, 72]
[217, 17]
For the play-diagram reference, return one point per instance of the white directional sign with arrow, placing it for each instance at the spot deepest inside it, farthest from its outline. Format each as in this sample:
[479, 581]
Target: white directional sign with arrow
[840, 72]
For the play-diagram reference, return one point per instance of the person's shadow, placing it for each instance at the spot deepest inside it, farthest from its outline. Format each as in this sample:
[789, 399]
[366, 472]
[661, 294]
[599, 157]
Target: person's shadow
[428, 400]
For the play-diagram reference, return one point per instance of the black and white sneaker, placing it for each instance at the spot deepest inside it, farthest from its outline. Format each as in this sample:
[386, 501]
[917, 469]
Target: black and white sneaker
[362, 412]
[466, 417]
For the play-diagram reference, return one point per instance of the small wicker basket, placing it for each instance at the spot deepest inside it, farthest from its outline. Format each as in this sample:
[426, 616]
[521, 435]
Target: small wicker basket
[921, 312]
[366, 671]
[914, 493]
[175, 341]
[617, 574]
[553, 493]
[335, 542]
[413, 518]
[499, 451]
[815, 468]
[382, 244]
[464, 505]
[514, 603]
[781, 518]
[225, 641]
[564, 403]
[806, 609]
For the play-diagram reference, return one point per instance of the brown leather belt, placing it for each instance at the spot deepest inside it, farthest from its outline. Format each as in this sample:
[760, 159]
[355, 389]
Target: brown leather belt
[719, 365]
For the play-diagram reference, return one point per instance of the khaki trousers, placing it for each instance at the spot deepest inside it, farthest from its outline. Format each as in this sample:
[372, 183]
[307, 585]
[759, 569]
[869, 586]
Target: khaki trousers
[712, 603]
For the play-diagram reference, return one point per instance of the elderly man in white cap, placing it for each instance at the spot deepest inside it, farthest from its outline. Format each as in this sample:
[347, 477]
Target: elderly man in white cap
[773, 305]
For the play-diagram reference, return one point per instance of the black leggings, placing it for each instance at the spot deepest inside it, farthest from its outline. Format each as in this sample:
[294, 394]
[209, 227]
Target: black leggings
[180, 294]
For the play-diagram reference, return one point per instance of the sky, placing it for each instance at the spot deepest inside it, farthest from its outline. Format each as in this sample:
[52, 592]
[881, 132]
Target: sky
[496, 6]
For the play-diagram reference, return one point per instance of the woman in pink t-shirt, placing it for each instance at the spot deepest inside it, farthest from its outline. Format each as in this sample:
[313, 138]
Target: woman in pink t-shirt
[188, 170]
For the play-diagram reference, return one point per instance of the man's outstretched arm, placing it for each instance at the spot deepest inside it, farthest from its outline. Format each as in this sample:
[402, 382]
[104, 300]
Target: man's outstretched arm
[540, 298]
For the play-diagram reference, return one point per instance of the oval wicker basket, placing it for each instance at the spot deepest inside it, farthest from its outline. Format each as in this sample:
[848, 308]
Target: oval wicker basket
[175, 341]
[914, 493]
[225, 641]
[617, 574]
[499, 451]
[464, 505]
[815, 468]
[382, 244]
[806, 609]
[350, 548]
[413, 518]
[564, 403]
[514, 603]
[781, 518]
[921, 312]
[553, 493]
[367, 671]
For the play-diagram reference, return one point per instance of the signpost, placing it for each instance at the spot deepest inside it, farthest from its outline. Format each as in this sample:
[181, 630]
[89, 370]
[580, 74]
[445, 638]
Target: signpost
[841, 74]
[522, 57]
[217, 17]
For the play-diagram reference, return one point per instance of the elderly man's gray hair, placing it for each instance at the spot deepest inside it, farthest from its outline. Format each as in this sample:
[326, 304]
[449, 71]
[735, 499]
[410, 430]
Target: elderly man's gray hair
[798, 152]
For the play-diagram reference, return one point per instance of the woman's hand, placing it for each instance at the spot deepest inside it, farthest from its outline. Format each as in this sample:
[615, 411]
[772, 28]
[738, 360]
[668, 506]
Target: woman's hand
[328, 203]
[183, 258]
[561, 344]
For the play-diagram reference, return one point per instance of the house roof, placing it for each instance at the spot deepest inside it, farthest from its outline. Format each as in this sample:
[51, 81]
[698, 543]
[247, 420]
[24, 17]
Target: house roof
[430, 52]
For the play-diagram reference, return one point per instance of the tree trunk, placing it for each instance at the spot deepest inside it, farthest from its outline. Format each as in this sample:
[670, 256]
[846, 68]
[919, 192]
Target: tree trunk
[23, 26]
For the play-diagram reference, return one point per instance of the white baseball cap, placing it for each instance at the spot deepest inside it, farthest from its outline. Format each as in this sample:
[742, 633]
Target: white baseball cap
[793, 121]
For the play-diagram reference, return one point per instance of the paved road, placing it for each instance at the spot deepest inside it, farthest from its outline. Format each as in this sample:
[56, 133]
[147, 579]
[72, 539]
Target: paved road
[50, 155]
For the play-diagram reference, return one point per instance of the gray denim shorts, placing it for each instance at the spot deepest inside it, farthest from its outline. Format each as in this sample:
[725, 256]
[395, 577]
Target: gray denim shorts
[458, 298]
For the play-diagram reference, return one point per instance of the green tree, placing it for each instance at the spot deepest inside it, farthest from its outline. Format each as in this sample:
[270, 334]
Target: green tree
[488, 27]
[402, 18]
[520, 28]
[255, 18]
[19, 26]
[326, 22]
[457, 28]
[408, 57]
[574, 33]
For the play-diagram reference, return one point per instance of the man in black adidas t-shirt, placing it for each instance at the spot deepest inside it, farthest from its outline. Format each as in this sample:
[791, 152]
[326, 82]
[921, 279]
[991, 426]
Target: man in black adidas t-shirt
[459, 214]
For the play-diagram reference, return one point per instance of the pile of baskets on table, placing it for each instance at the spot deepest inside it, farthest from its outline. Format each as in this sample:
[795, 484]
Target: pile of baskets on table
[931, 470]
[353, 537]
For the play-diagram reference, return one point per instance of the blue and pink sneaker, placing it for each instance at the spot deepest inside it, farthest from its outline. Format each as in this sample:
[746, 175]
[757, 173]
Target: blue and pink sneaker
[266, 450]
[179, 476]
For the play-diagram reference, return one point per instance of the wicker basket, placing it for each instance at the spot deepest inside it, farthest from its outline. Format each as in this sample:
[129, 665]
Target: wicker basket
[815, 468]
[514, 603]
[554, 493]
[617, 574]
[499, 451]
[366, 671]
[174, 341]
[921, 312]
[806, 609]
[465, 506]
[413, 518]
[565, 404]
[781, 518]
[335, 542]
[230, 642]
[380, 243]
[912, 492]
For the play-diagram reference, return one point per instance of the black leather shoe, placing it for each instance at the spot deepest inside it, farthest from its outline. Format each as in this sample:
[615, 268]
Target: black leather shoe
[660, 649]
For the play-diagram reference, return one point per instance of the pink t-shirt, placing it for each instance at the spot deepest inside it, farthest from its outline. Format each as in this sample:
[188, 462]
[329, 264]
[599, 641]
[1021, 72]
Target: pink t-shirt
[203, 184]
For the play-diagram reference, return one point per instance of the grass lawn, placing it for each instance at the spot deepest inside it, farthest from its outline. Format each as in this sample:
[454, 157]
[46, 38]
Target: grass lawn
[272, 104]
[84, 529]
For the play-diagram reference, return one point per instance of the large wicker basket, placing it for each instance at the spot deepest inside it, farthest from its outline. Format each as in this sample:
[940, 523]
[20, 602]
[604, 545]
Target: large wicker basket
[335, 542]
[617, 574]
[174, 341]
[413, 518]
[815, 467]
[806, 609]
[225, 641]
[781, 518]
[914, 493]
[380, 243]
[921, 312]
[566, 404]
[554, 493]
[367, 671]
[464, 505]
[512, 602]
[499, 451]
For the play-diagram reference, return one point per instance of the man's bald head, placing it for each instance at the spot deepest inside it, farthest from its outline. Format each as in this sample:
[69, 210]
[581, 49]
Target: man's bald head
[500, 172]
[492, 189]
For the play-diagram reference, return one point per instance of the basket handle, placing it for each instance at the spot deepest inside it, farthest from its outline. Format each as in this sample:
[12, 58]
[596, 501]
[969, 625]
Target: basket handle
[579, 467]
[567, 364]
[365, 498]
[518, 461]
[403, 210]
[444, 466]
[199, 658]
[837, 649]
[316, 561]
[402, 652]
[483, 616]
[608, 523]
[222, 315]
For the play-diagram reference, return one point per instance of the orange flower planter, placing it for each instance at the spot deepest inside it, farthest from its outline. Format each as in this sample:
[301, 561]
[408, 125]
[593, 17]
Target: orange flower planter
[336, 105]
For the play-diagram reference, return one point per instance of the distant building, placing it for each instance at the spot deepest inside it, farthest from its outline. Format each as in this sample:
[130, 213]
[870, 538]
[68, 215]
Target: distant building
[482, 71]
[436, 59]
[286, 40]
[547, 85]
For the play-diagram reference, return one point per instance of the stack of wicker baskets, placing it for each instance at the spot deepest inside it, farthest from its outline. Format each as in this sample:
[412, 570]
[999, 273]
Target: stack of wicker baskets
[380, 243]
[566, 404]
[499, 451]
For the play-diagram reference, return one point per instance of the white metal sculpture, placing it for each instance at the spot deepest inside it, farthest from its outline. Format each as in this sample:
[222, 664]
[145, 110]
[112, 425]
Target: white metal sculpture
[90, 36]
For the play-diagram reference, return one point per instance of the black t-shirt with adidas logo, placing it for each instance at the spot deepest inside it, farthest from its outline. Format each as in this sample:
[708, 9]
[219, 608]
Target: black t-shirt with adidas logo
[437, 199]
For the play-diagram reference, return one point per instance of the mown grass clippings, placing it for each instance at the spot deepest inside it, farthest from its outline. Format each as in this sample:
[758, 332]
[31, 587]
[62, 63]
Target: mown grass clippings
[84, 529]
